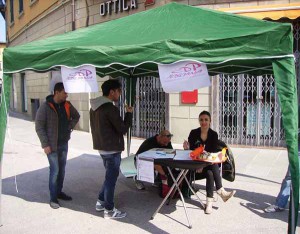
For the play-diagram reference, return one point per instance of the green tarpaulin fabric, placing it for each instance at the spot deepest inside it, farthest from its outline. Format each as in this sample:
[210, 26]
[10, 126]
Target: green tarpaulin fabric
[162, 35]
[284, 71]
[227, 43]
[3, 110]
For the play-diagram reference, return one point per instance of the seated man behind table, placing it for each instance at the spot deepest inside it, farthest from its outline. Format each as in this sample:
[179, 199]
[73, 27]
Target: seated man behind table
[161, 140]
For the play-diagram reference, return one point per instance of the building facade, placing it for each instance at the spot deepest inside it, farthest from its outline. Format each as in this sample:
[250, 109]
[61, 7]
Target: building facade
[245, 108]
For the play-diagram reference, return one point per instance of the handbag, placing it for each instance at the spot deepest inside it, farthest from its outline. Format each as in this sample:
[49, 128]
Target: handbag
[228, 167]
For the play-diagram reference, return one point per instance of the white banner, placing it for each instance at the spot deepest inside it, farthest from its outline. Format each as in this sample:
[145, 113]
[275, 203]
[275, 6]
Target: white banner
[79, 80]
[183, 76]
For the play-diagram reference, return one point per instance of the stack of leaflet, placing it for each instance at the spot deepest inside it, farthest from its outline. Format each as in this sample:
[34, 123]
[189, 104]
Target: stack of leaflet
[158, 153]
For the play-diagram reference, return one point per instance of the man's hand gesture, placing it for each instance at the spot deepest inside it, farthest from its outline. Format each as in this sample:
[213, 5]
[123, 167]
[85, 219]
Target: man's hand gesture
[129, 109]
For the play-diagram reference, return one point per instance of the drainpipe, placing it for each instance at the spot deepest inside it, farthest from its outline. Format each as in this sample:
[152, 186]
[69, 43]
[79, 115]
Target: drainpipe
[87, 14]
[73, 15]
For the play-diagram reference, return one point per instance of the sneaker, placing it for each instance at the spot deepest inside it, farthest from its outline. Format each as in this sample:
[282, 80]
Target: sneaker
[114, 214]
[54, 204]
[139, 184]
[99, 206]
[273, 208]
[64, 197]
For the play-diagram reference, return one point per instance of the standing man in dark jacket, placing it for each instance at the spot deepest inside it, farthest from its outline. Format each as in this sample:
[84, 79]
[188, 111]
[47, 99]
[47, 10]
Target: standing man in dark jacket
[108, 129]
[55, 119]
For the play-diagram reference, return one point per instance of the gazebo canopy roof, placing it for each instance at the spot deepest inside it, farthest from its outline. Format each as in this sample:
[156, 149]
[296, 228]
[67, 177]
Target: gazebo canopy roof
[227, 43]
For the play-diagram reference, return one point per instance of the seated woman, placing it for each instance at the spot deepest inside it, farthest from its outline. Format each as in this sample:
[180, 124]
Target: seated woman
[208, 138]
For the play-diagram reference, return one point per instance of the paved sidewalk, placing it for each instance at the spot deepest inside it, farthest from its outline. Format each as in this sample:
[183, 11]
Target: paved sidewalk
[259, 174]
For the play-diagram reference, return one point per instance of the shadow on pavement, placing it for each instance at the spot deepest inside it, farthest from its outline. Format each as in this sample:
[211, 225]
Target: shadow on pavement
[257, 202]
[258, 178]
[84, 176]
[254, 202]
[20, 116]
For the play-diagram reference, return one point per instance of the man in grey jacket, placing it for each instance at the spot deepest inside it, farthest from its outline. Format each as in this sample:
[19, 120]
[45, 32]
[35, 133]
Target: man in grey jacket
[55, 119]
[108, 129]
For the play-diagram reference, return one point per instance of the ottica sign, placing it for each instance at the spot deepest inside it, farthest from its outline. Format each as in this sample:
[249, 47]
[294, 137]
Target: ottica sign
[117, 6]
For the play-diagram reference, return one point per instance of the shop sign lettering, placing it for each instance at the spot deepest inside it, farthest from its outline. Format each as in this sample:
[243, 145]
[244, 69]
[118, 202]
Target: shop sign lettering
[115, 6]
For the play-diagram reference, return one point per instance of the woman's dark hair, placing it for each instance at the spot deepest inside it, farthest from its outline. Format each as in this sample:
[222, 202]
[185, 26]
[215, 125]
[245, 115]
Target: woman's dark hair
[205, 113]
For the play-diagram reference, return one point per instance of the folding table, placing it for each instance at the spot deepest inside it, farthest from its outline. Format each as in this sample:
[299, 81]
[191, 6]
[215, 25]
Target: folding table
[184, 166]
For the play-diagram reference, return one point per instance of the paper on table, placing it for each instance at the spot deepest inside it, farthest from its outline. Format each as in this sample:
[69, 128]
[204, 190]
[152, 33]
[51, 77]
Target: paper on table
[169, 156]
[182, 155]
[145, 167]
[148, 154]
[163, 155]
[155, 154]
[167, 151]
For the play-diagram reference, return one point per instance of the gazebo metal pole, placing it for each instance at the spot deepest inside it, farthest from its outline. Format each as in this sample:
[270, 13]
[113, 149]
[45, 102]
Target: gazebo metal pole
[130, 104]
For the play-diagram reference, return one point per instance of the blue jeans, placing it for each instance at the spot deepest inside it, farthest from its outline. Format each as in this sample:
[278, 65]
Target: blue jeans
[57, 161]
[285, 190]
[111, 163]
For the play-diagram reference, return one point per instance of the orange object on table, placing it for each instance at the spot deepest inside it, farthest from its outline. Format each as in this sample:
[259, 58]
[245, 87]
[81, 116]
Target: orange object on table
[217, 157]
[197, 152]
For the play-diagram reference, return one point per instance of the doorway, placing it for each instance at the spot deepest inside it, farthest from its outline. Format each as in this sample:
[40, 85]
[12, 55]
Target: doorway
[23, 92]
[150, 114]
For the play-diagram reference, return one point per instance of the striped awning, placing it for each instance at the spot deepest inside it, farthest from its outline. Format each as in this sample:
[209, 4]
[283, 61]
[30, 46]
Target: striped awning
[275, 12]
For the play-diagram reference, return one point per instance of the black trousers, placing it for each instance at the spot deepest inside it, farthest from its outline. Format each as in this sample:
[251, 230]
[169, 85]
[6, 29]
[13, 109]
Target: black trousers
[212, 175]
